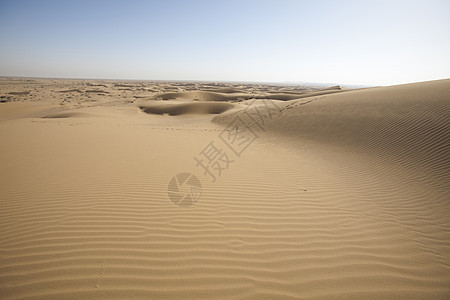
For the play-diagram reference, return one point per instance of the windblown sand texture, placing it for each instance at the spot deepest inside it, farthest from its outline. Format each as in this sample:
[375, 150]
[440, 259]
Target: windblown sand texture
[344, 194]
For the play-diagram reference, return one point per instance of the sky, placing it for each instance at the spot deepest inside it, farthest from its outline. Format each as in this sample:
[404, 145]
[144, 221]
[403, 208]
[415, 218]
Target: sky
[347, 42]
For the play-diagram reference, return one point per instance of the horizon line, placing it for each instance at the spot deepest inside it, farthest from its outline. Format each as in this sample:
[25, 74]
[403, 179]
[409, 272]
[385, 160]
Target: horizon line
[198, 80]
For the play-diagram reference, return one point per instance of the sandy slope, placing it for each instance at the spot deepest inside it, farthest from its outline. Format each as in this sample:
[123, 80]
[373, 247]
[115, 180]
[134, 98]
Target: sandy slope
[342, 195]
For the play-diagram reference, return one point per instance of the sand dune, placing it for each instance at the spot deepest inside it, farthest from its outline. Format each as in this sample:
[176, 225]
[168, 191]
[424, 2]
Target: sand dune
[338, 196]
[65, 114]
[213, 96]
[397, 123]
[225, 90]
[335, 87]
[201, 96]
[175, 109]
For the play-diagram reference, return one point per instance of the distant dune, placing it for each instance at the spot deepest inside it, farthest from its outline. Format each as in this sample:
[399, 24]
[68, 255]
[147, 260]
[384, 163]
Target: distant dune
[214, 96]
[175, 109]
[335, 87]
[305, 193]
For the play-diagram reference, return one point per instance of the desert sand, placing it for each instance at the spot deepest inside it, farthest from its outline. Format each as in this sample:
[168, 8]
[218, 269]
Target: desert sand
[306, 192]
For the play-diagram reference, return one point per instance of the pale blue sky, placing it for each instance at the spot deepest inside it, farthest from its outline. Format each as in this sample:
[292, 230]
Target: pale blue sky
[350, 42]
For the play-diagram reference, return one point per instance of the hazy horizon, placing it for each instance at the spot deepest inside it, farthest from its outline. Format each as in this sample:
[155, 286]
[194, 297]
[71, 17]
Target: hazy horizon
[281, 83]
[345, 42]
